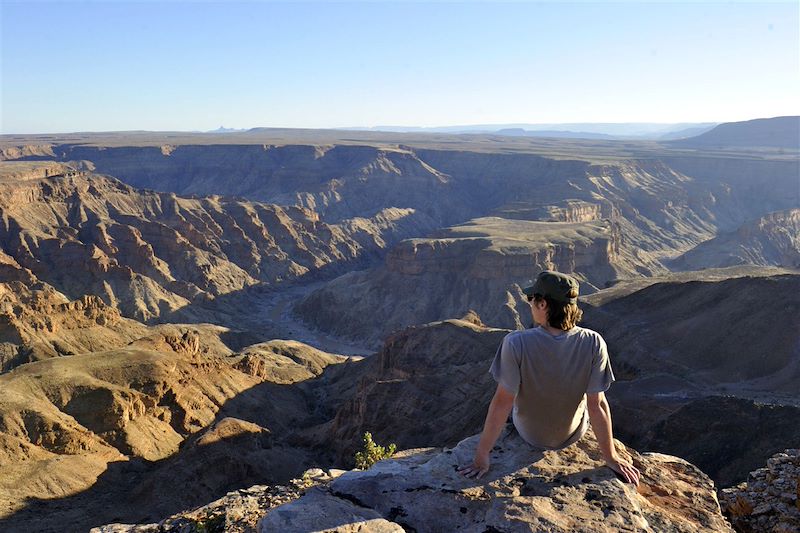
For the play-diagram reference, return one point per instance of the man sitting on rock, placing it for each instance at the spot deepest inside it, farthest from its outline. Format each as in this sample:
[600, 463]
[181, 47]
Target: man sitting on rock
[554, 377]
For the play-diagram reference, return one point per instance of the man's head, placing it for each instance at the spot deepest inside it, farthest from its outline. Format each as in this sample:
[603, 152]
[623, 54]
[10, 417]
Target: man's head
[554, 300]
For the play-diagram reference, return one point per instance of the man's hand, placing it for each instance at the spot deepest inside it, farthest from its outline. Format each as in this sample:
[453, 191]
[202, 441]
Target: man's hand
[479, 466]
[625, 468]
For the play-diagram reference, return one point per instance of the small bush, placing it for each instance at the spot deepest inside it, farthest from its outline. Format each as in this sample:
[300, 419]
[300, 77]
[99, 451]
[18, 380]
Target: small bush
[209, 524]
[372, 452]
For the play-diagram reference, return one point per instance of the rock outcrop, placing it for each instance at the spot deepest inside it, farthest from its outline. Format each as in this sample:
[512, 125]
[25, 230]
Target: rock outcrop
[37, 323]
[769, 501]
[237, 512]
[525, 490]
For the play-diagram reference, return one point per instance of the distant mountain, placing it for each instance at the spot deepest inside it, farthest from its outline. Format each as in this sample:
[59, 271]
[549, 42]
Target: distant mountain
[582, 130]
[778, 132]
[519, 132]
[688, 132]
[223, 129]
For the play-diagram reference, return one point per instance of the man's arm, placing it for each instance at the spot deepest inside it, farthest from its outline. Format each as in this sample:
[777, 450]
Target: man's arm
[499, 409]
[600, 417]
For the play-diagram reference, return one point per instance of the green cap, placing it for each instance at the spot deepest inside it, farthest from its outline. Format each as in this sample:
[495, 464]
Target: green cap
[560, 287]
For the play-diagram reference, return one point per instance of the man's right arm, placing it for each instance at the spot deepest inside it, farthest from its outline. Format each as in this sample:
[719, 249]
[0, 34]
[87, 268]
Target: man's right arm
[499, 409]
[600, 417]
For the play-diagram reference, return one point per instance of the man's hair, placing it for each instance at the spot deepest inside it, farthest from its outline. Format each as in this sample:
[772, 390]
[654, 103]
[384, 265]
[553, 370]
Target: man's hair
[561, 315]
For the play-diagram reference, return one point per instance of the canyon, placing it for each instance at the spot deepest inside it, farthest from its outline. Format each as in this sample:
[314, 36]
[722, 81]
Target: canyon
[184, 315]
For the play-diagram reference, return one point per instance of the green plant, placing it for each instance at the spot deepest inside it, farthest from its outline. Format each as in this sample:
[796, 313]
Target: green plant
[372, 452]
[210, 524]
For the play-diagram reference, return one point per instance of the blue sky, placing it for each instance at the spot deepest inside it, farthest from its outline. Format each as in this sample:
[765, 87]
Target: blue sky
[168, 65]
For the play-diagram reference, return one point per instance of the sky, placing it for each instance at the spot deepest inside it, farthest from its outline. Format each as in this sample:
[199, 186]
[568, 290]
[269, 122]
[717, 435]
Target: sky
[172, 65]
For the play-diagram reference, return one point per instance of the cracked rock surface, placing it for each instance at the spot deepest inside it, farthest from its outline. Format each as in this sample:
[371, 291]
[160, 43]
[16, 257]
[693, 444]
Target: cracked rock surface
[568, 490]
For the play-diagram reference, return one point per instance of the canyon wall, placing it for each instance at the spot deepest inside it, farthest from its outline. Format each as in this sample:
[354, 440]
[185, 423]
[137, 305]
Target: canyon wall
[151, 254]
[773, 239]
[480, 266]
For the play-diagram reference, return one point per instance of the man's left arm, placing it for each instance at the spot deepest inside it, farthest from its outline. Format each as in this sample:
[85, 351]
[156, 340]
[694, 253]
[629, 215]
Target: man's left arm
[600, 418]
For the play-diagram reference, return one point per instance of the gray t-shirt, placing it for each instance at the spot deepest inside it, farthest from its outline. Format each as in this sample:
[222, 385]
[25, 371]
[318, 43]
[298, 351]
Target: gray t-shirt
[550, 376]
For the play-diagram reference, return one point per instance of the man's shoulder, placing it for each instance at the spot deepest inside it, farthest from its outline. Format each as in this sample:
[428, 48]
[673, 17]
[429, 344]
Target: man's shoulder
[586, 332]
[514, 336]
[589, 334]
[521, 336]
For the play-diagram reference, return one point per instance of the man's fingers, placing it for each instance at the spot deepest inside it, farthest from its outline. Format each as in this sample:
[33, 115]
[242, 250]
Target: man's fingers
[468, 471]
[472, 471]
[628, 472]
[631, 473]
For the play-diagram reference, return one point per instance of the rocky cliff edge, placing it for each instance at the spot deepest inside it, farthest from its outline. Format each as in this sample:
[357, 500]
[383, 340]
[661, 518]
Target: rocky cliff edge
[526, 490]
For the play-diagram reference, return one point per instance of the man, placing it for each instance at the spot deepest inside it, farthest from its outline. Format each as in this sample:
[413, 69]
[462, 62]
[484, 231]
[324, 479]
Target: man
[554, 377]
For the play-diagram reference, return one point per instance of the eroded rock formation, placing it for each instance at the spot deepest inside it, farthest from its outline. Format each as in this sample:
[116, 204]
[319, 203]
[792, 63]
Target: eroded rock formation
[478, 265]
[37, 323]
[151, 254]
[773, 239]
[102, 427]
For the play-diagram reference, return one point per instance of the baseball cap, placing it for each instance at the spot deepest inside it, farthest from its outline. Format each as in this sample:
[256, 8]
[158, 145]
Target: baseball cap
[560, 287]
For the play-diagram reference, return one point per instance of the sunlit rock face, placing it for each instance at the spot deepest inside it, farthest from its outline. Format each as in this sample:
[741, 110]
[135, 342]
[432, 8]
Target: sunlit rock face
[150, 254]
[170, 419]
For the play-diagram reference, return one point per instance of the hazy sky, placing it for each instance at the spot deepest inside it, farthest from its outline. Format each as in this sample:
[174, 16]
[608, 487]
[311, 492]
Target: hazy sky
[167, 65]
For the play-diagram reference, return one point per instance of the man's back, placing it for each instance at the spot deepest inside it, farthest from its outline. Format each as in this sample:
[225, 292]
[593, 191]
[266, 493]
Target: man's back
[550, 375]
